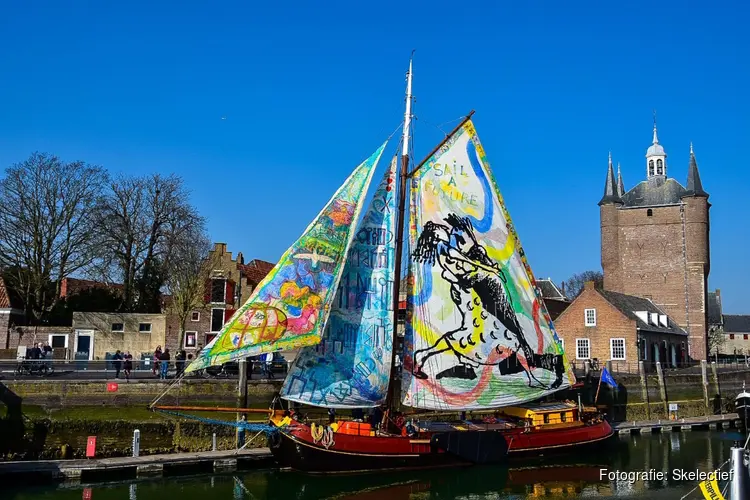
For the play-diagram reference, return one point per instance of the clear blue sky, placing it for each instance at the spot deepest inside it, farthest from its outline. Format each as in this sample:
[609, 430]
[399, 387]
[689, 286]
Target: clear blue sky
[309, 89]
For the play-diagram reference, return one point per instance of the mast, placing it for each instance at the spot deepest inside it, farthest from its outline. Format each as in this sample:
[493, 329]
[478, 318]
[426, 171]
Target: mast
[400, 215]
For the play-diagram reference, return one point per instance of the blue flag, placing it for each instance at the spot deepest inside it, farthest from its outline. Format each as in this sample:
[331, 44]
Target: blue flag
[607, 379]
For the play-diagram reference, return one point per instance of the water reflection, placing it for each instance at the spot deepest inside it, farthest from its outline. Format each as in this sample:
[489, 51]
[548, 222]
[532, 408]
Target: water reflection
[578, 477]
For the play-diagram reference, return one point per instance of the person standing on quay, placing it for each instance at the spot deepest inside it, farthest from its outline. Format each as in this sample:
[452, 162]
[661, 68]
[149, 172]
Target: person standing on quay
[164, 362]
[117, 361]
[127, 366]
[157, 355]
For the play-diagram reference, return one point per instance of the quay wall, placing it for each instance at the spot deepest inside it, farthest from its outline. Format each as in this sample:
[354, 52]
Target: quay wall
[50, 393]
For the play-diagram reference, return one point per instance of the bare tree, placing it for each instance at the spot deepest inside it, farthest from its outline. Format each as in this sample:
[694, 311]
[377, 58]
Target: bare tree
[186, 277]
[143, 223]
[47, 228]
[716, 340]
[573, 286]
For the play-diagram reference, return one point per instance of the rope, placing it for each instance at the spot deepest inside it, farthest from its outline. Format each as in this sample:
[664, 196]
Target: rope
[322, 434]
[252, 427]
[691, 491]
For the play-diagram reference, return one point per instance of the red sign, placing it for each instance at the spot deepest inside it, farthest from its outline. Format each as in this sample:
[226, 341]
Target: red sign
[112, 387]
[87, 494]
[91, 447]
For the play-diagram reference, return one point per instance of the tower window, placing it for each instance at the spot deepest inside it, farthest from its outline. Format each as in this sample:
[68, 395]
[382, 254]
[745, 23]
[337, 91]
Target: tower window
[649, 212]
[651, 167]
[659, 167]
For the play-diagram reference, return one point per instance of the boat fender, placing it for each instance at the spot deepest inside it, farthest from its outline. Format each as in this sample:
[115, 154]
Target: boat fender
[327, 439]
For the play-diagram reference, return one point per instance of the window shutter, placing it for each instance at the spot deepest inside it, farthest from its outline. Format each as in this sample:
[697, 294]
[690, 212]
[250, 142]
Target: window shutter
[230, 292]
[228, 314]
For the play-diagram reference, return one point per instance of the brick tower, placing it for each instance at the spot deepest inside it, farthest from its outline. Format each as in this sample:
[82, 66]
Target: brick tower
[655, 242]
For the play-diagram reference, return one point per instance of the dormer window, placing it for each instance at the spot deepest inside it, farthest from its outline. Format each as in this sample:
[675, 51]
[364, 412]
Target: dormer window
[650, 167]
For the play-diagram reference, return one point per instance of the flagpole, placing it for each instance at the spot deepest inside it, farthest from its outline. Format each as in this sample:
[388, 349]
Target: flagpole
[598, 387]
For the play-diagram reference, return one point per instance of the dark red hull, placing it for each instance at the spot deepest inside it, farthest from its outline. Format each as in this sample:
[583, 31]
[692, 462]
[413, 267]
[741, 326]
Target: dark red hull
[295, 447]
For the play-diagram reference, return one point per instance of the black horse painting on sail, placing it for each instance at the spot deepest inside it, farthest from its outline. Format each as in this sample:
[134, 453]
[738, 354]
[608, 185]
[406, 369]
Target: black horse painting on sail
[476, 281]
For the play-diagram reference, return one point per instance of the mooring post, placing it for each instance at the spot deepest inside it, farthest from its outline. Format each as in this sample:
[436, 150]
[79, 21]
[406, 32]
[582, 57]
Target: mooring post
[213, 442]
[644, 389]
[717, 385]
[704, 375]
[241, 400]
[739, 482]
[662, 387]
[136, 443]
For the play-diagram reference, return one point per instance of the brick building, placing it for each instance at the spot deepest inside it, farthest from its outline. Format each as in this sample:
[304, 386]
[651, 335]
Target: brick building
[655, 242]
[11, 314]
[230, 284]
[611, 326]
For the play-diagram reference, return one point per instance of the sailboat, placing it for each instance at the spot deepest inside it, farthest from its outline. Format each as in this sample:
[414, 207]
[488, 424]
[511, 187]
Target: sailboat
[478, 337]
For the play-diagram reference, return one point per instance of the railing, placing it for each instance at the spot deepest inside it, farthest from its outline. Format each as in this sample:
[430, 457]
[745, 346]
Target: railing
[581, 367]
[141, 369]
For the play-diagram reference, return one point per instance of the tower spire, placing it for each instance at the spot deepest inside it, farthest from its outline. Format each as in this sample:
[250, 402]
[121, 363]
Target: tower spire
[620, 184]
[694, 185]
[656, 138]
[611, 191]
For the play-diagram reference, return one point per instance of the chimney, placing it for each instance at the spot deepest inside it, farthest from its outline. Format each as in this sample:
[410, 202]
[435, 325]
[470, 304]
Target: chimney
[589, 285]
[562, 288]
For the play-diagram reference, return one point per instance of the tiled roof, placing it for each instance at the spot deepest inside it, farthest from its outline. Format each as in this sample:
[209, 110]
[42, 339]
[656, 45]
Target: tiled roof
[549, 289]
[4, 298]
[736, 323]
[654, 192]
[255, 270]
[628, 304]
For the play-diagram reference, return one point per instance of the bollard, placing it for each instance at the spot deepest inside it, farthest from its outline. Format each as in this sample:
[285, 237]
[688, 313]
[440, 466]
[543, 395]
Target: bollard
[136, 443]
[213, 446]
[739, 482]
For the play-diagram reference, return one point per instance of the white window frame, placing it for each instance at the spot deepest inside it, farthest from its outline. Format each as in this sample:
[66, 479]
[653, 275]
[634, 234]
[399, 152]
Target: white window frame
[586, 321]
[562, 343]
[224, 294]
[588, 347]
[144, 331]
[112, 329]
[612, 349]
[184, 340]
[66, 335]
[193, 318]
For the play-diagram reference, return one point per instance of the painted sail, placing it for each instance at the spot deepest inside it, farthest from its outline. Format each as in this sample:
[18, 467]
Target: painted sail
[351, 366]
[289, 308]
[478, 335]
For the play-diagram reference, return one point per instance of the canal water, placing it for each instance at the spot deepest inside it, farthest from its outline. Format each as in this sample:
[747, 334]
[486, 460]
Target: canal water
[579, 477]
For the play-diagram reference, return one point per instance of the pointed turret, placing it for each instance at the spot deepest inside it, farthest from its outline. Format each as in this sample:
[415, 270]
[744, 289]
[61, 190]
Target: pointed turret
[694, 186]
[611, 191]
[620, 184]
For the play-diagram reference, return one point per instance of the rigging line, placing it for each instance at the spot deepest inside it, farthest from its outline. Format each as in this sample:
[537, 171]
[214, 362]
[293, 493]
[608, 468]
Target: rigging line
[169, 388]
[442, 124]
[699, 485]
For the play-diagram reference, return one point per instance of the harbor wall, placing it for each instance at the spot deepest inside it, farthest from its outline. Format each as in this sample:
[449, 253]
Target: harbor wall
[64, 393]
[648, 396]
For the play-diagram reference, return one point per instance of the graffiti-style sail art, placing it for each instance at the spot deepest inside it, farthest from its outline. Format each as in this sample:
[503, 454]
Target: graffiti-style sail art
[478, 335]
[351, 366]
[289, 308]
